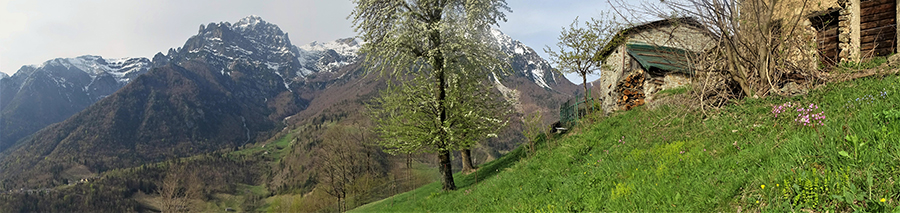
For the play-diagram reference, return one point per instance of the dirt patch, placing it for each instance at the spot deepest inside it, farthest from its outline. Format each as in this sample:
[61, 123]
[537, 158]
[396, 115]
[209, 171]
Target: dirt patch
[684, 101]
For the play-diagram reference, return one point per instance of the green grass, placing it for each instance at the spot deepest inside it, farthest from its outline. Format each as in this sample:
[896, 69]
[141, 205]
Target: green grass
[670, 159]
[275, 149]
[429, 191]
[849, 66]
[673, 91]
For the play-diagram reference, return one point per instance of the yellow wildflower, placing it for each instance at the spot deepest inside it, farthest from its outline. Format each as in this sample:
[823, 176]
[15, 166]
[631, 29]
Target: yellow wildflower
[762, 186]
[757, 201]
[882, 200]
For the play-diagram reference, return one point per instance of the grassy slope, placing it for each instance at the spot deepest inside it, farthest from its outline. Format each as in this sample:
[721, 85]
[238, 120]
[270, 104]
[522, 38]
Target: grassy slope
[670, 159]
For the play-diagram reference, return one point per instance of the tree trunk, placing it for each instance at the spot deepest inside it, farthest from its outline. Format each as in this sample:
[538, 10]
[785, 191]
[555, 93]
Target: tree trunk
[408, 172]
[443, 135]
[467, 164]
[446, 171]
[737, 72]
[584, 83]
[340, 205]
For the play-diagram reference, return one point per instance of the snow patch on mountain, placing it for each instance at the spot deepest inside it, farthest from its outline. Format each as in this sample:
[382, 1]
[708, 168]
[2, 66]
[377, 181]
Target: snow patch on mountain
[283, 79]
[538, 77]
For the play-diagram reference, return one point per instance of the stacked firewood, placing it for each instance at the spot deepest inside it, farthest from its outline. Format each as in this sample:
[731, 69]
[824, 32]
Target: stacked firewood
[631, 91]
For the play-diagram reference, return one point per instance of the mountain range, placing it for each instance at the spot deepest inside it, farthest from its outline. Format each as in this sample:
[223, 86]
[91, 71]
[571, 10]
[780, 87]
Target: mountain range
[227, 86]
[39, 95]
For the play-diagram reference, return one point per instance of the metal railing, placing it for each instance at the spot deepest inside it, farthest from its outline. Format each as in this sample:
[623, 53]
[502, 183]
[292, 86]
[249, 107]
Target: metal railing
[569, 113]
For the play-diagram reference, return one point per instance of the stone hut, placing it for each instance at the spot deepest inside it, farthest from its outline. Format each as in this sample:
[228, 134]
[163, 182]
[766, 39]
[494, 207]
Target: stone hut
[644, 59]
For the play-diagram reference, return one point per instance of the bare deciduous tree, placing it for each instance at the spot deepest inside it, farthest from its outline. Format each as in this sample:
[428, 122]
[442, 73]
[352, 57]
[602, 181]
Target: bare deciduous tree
[756, 45]
[343, 160]
[177, 188]
[578, 45]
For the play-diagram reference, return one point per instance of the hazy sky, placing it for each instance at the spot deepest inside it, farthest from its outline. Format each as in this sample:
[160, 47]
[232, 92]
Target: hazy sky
[34, 31]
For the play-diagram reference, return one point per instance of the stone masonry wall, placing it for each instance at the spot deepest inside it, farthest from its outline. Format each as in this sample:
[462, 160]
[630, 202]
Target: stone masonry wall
[848, 27]
[611, 72]
[681, 36]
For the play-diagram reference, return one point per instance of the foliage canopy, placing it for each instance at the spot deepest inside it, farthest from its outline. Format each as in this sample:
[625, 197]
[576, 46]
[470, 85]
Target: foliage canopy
[437, 52]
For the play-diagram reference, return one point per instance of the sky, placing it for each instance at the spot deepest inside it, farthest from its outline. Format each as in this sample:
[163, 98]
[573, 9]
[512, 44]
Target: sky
[34, 31]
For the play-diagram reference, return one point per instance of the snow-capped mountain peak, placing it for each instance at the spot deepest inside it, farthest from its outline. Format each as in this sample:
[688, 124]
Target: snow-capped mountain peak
[345, 46]
[251, 41]
[318, 56]
[122, 69]
[249, 22]
[533, 66]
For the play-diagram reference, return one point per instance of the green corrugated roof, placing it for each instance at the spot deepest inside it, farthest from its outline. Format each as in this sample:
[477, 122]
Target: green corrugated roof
[661, 57]
[622, 36]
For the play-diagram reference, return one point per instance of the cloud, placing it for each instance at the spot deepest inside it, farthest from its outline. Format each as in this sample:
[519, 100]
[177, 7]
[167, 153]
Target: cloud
[13, 21]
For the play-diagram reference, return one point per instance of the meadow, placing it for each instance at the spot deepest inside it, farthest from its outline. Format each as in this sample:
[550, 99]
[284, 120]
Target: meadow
[835, 149]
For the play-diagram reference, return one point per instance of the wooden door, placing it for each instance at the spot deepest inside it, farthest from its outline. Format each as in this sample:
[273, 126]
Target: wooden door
[878, 27]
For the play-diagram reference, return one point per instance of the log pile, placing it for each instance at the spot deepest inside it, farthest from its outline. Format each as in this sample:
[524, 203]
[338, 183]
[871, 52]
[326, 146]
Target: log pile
[631, 91]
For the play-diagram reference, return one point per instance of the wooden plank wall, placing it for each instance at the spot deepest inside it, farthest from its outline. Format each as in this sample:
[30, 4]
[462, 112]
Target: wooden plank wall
[827, 31]
[827, 39]
[877, 27]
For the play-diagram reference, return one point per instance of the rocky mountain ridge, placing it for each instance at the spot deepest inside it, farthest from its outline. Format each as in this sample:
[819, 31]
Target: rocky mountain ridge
[39, 95]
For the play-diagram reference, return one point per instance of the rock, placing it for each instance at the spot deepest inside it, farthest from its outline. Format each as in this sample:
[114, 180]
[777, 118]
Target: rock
[791, 89]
